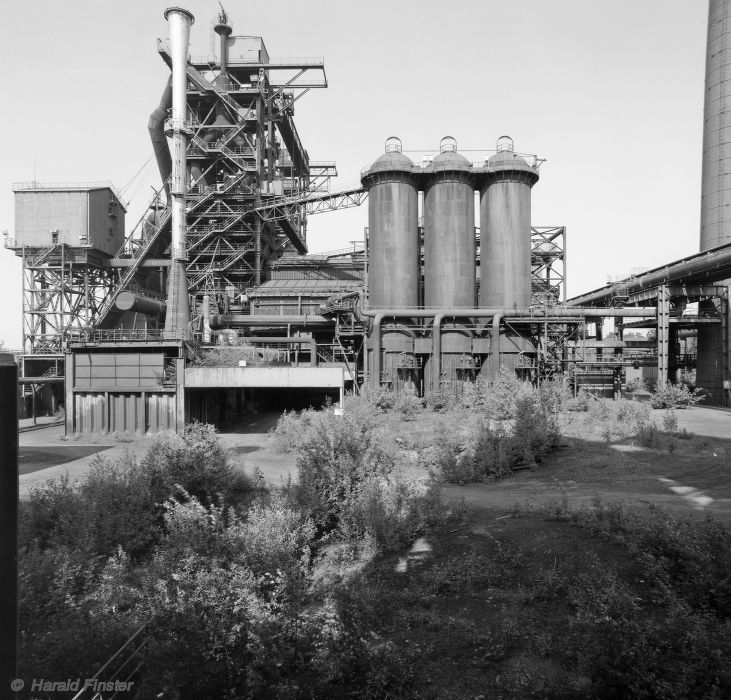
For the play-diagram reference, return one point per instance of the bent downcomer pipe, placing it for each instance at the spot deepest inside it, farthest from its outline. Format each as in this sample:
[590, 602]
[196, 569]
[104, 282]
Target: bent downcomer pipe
[156, 129]
[568, 313]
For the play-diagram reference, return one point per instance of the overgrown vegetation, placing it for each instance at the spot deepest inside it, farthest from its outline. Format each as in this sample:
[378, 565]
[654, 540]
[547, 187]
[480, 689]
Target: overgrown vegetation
[230, 354]
[238, 585]
[310, 590]
[676, 396]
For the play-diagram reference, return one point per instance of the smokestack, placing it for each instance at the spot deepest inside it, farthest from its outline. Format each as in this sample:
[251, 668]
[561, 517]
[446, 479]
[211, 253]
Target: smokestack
[716, 187]
[178, 312]
[223, 29]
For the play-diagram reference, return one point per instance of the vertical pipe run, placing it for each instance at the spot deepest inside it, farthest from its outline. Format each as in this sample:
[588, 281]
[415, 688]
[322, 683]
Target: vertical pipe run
[178, 312]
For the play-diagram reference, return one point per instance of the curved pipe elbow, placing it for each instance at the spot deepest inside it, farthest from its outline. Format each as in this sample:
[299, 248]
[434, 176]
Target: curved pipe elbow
[156, 129]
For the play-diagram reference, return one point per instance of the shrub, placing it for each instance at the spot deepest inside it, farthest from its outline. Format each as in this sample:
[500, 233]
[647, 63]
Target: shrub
[231, 355]
[670, 421]
[555, 395]
[503, 392]
[673, 396]
[649, 435]
[194, 460]
[581, 402]
[535, 429]
[290, 429]
[408, 406]
[439, 401]
[493, 452]
[336, 458]
[637, 384]
[632, 416]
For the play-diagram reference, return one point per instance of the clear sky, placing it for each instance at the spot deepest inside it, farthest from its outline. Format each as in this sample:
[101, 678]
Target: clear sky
[609, 92]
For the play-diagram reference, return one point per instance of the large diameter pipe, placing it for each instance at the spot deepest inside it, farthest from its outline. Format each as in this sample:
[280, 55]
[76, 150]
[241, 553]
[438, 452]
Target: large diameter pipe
[177, 318]
[268, 320]
[156, 129]
[128, 301]
[569, 314]
[712, 265]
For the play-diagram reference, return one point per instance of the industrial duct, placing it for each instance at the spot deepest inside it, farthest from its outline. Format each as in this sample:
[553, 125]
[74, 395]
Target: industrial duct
[156, 128]
[178, 311]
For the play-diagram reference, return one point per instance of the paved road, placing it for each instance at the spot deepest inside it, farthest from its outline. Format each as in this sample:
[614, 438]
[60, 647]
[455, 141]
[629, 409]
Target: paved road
[33, 459]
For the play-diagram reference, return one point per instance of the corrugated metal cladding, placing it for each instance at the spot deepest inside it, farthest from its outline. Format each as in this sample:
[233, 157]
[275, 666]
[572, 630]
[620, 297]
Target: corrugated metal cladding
[122, 411]
[106, 221]
[74, 217]
[325, 273]
[160, 412]
[39, 213]
[288, 306]
[113, 370]
[90, 412]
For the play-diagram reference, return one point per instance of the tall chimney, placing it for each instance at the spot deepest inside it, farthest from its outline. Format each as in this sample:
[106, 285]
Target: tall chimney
[178, 312]
[716, 183]
[223, 29]
[716, 190]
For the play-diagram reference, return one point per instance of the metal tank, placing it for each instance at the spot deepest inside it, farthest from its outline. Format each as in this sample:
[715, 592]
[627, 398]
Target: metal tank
[393, 260]
[449, 230]
[449, 262]
[393, 238]
[505, 233]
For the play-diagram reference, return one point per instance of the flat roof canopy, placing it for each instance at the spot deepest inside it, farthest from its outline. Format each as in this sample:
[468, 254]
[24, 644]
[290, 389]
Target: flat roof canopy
[264, 377]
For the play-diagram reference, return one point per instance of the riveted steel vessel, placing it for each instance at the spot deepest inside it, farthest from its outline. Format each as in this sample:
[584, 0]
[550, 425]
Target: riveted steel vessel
[505, 238]
[393, 238]
[449, 232]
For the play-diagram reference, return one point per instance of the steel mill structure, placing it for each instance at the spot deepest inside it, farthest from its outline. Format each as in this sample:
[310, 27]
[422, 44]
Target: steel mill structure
[452, 281]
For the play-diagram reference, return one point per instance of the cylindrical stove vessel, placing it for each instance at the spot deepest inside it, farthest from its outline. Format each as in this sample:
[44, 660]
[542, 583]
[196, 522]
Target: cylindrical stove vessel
[393, 237]
[505, 233]
[449, 231]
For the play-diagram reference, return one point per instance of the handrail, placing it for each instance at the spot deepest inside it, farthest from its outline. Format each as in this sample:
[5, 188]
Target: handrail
[99, 185]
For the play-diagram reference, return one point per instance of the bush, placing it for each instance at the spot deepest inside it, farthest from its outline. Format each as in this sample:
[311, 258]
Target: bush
[290, 429]
[439, 401]
[673, 396]
[637, 384]
[408, 406]
[231, 355]
[336, 459]
[494, 452]
[583, 401]
[194, 460]
[503, 392]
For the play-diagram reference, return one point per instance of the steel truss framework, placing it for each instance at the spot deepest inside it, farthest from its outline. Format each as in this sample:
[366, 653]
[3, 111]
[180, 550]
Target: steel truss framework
[63, 289]
[244, 151]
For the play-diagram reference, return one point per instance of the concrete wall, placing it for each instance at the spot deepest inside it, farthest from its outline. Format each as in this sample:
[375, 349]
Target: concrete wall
[264, 377]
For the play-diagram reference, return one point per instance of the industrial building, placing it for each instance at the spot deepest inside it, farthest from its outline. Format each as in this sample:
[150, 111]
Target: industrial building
[452, 281]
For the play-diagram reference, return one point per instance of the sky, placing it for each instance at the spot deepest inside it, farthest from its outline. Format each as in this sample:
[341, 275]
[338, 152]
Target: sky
[609, 93]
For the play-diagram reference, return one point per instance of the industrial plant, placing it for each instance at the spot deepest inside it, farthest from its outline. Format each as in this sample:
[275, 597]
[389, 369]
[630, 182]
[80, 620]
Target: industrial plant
[453, 280]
